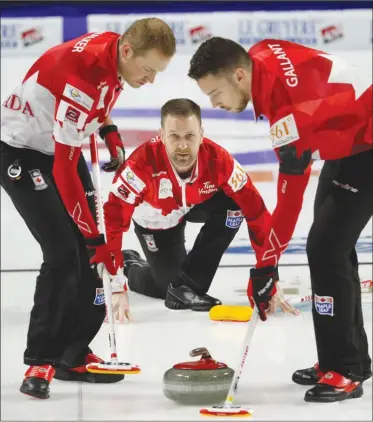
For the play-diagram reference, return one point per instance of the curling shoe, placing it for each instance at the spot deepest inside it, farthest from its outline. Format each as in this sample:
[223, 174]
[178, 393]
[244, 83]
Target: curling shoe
[311, 376]
[183, 297]
[37, 380]
[334, 387]
[132, 258]
[80, 373]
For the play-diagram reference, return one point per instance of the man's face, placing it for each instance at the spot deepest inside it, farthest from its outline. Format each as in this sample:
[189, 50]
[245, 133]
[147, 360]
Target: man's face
[141, 69]
[182, 137]
[231, 92]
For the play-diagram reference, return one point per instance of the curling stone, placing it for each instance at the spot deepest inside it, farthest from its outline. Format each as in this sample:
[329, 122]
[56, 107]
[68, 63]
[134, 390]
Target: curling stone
[204, 381]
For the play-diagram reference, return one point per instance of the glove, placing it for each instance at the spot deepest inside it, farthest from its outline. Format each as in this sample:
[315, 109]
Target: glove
[114, 144]
[261, 288]
[290, 163]
[120, 301]
[102, 256]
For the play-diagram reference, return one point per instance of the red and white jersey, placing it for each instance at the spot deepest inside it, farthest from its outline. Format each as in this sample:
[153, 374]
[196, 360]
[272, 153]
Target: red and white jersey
[313, 102]
[148, 190]
[65, 96]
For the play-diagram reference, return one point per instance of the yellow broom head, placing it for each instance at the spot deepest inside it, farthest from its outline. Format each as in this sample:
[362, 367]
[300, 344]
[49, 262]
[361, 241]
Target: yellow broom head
[232, 313]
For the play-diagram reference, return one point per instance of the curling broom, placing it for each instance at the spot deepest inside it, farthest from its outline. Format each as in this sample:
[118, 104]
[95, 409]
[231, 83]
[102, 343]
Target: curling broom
[227, 409]
[243, 313]
[114, 366]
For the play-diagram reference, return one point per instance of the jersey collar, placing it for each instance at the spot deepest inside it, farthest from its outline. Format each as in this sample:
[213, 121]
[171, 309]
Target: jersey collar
[113, 59]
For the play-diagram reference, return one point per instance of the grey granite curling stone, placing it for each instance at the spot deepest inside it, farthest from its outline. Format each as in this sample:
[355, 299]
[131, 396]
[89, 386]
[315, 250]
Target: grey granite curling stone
[205, 381]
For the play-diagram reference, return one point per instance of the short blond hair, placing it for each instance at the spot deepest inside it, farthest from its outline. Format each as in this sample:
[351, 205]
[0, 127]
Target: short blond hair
[150, 33]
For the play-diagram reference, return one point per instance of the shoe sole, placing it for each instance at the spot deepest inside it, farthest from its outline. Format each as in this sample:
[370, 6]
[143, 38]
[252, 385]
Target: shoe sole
[180, 306]
[175, 305]
[30, 394]
[304, 382]
[354, 395]
[88, 377]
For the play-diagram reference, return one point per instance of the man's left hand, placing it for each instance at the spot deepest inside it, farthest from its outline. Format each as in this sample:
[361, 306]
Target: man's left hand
[114, 144]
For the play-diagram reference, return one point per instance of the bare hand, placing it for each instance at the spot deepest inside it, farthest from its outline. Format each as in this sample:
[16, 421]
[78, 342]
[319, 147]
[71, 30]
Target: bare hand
[121, 308]
[279, 300]
[120, 300]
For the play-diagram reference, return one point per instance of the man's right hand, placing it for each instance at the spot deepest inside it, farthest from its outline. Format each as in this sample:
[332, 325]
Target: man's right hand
[102, 255]
[120, 301]
[262, 288]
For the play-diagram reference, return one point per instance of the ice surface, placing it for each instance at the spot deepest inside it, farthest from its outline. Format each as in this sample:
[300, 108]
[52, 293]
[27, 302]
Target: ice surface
[158, 339]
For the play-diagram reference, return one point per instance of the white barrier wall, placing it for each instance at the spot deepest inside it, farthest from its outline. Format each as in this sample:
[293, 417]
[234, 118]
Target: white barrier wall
[325, 30]
[30, 36]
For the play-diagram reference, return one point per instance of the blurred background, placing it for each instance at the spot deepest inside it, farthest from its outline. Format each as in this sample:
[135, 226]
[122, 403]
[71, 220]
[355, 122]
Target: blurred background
[343, 28]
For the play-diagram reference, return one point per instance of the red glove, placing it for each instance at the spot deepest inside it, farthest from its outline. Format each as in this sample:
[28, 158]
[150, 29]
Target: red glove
[114, 144]
[102, 254]
[118, 259]
[261, 288]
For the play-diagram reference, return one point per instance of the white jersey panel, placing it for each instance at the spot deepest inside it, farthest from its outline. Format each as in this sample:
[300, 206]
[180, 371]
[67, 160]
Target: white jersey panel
[152, 218]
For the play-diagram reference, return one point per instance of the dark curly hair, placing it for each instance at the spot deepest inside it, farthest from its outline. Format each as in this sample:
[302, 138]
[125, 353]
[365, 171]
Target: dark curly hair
[217, 55]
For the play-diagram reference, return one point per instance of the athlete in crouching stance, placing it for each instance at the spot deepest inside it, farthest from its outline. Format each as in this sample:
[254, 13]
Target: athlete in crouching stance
[173, 179]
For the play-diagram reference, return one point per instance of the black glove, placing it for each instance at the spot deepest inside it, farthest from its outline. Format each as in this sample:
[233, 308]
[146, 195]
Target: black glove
[261, 288]
[290, 163]
[114, 144]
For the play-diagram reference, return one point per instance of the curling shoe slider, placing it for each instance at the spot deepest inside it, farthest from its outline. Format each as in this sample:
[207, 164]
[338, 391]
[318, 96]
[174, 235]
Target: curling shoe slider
[80, 373]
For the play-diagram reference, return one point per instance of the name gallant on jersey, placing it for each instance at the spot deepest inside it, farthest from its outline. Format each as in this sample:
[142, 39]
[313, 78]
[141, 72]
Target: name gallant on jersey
[291, 76]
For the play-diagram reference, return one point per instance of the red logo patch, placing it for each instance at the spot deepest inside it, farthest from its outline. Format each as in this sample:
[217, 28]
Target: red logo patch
[123, 191]
[72, 115]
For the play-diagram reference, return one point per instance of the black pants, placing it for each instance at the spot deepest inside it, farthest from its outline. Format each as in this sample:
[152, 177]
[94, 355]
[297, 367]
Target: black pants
[343, 207]
[166, 255]
[64, 318]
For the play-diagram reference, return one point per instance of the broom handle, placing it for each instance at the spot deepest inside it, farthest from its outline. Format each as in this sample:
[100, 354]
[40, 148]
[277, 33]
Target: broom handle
[366, 284]
[101, 226]
[245, 349]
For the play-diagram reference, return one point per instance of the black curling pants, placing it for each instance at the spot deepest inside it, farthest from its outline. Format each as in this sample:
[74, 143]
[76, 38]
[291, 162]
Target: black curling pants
[64, 318]
[343, 207]
[167, 257]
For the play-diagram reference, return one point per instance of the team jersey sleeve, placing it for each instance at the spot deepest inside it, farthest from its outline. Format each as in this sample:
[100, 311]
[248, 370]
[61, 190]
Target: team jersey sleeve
[74, 101]
[289, 140]
[126, 193]
[236, 183]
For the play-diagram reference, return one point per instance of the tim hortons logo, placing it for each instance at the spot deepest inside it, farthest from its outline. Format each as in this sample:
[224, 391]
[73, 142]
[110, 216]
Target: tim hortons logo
[15, 103]
[208, 187]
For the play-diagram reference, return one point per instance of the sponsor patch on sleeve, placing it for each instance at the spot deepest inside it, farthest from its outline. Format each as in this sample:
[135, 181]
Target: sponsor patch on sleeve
[69, 114]
[132, 180]
[284, 131]
[120, 190]
[78, 96]
[238, 178]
